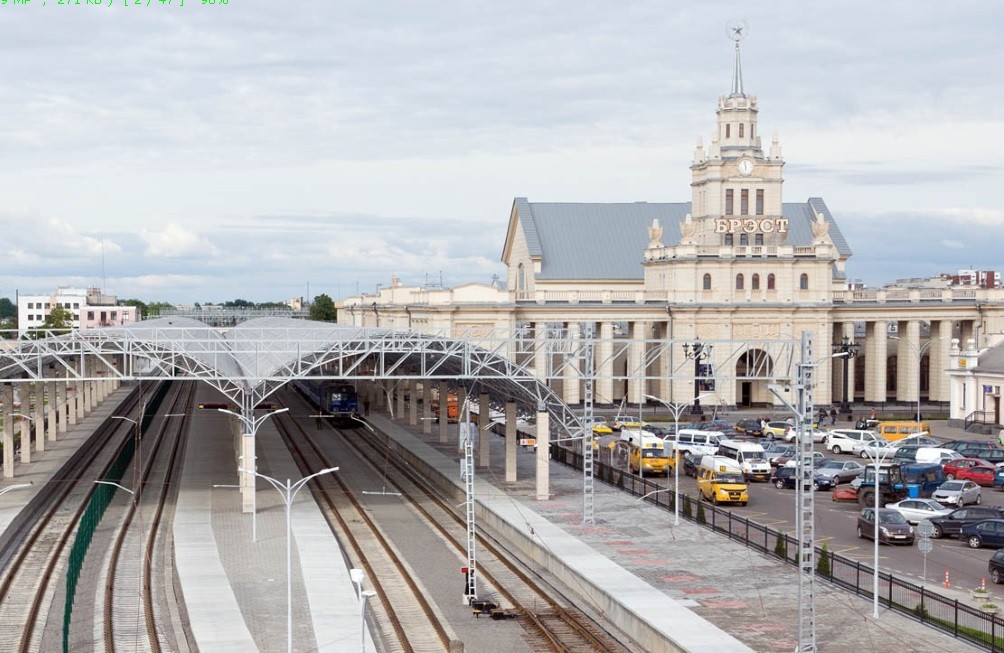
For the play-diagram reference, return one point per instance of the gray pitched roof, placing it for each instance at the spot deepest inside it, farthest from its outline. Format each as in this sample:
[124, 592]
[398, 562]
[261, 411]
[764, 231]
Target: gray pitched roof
[992, 360]
[606, 241]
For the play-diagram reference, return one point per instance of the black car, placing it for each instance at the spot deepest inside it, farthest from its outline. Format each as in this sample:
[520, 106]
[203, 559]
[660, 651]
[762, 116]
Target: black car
[965, 446]
[658, 431]
[996, 566]
[691, 461]
[749, 427]
[990, 454]
[866, 424]
[784, 477]
[951, 524]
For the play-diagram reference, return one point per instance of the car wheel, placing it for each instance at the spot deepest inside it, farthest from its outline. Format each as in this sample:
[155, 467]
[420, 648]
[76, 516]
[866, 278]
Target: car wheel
[949, 477]
[995, 576]
[836, 449]
[861, 533]
[779, 484]
[864, 455]
[974, 542]
[815, 485]
[938, 532]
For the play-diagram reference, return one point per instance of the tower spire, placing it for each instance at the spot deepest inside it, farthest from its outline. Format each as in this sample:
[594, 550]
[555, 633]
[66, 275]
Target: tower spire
[737, 76]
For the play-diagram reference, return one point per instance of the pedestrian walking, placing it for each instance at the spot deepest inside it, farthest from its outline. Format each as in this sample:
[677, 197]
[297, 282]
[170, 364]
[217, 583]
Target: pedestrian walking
[873, 414]
[366, 407]
[833, 417]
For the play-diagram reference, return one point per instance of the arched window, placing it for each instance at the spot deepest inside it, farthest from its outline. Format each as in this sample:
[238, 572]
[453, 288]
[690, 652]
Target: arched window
[755, 282]
[739, 282]
[520, 277]
[707, 282]
[741, 130]
[770, 282]
[803, 282]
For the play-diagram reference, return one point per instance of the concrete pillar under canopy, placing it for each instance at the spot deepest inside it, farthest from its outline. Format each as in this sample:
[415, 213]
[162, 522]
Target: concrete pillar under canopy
[484, 430]
[510, 442]
[543, 456]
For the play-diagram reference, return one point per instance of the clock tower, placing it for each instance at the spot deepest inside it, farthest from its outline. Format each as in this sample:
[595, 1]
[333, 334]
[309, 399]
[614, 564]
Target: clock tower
[736, 187]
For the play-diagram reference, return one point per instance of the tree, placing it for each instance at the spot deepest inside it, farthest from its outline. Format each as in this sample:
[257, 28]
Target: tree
[58, 318]
[141, 305]
[323, 309]
[154, 309]
[7, 309]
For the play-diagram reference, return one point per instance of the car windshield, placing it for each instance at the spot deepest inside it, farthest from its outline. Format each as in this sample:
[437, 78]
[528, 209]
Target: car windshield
[754, 455]
[833, 464]
[653, 453]
[891, 518]
[934, 505]
[731, 478]
[951, 486]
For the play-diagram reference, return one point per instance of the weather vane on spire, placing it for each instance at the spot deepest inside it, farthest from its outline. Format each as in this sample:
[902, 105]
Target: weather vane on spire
[737, 30]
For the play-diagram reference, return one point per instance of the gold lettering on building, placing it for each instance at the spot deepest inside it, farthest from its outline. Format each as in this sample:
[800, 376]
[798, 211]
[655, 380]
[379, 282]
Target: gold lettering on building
[751, 225]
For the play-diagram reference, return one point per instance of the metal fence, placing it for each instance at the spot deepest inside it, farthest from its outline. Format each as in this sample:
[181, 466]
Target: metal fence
[977, 626]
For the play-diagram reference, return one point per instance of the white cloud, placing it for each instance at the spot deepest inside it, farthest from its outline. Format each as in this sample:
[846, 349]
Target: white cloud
[175, 241]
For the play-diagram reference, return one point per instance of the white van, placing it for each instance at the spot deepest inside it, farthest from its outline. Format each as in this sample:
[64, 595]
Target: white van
[703, 443]
[750, 456]
[644, 439]
[936, 455]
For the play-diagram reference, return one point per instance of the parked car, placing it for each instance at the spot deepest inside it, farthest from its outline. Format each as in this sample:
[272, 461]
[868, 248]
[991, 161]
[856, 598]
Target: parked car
[658, 431]
[691, 461]
[878, 447]
[784, 477]
[626, 422]
[950, 525]
[816, 434]
[776, 429]
[984, 533]
[847, 440]
[866, 424]
[993, 455]
[964, 446]
[749, 427]
[841, 471]
[916, 510]
[971, 469]
[918, 439]
[818, 460]
[600, 426]
[893, 527]
[958, 493]
[996, 566]
[774, 451]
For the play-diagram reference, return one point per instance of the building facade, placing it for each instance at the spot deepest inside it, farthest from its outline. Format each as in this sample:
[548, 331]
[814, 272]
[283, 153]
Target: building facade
[89, 309]
[735, 264]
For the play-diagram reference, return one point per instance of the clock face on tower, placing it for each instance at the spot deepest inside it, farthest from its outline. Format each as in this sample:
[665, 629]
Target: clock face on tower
[745, 167]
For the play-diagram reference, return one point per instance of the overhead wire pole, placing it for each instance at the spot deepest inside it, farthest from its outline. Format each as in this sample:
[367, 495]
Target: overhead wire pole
[588, 377]
[467, 475]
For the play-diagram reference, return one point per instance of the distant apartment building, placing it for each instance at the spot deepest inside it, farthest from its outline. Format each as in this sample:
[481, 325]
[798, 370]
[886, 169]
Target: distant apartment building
[89, 308]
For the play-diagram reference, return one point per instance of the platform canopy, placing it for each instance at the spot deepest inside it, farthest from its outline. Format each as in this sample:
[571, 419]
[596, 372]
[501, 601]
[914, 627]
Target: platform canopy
[250, 361]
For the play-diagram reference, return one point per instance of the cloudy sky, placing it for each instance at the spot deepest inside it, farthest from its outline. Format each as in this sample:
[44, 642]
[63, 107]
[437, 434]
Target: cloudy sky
[255, 149]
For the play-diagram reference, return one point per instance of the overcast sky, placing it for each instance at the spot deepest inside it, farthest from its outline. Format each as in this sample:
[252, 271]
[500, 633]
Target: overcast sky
[250, 149]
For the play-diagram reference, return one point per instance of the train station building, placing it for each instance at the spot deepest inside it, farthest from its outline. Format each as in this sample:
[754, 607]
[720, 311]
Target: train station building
[734, 264]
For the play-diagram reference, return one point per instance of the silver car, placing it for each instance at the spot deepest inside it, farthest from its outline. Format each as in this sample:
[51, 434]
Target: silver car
[916, 510]
[841, 471]
[958, 493]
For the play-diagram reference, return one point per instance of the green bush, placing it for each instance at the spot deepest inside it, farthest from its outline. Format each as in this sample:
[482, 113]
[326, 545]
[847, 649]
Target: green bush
[781, 546]
[921, 612]
[823, 566]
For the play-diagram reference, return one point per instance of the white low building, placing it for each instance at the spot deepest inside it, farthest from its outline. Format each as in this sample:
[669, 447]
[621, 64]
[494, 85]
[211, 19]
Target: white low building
[89, 309]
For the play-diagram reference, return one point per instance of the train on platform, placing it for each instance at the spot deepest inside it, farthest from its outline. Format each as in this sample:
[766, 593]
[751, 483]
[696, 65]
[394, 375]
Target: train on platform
[335, 398]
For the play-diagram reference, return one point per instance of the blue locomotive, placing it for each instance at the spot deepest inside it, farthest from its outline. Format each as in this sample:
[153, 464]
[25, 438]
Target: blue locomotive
[336, 398]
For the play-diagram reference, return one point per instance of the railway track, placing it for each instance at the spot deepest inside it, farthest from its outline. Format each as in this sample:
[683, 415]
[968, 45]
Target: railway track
[551, 624]
[132, 620]
[401, 602]
[27, 582]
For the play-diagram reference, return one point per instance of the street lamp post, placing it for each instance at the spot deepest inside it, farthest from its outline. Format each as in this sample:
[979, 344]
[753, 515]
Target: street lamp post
[877, 460]
[676, 409]
[919, 351]
[847, 350]
[698, 351]
[18, 486]
[288, 492]
[358, 576]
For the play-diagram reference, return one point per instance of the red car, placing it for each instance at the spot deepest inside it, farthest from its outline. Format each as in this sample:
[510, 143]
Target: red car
[972, 469]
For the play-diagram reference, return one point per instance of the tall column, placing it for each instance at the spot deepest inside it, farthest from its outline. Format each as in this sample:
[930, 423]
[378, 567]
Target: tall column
[604, 364]
[427, 407]
[79, 394]
[540, 350]
[848, 331]
[572, 373]
[510, 441]
[484, 430]
[381, 394]
[636, 370]
[412, 403]
[876, 334]
[7, 399]
[462, 413]
[941, 344]
[63, 406]
[38, 425]
[51, 395]
[247, 481]
[543, 456]
[967, 331]
[907, 365]
[664, 389]
[444, 413]
[24, 426]
[399, 390]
